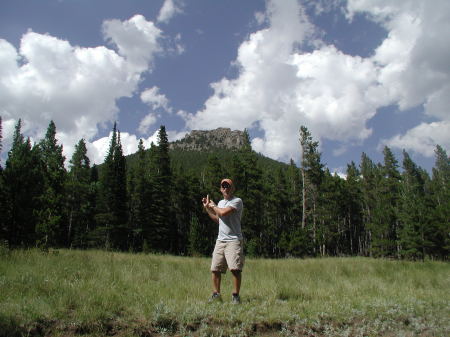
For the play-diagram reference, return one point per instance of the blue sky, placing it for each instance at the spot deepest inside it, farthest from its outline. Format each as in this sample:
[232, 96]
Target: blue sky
[360, 74]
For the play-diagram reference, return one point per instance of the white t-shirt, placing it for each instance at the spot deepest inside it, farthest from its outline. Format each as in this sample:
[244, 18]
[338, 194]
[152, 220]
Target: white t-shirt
[230, 225]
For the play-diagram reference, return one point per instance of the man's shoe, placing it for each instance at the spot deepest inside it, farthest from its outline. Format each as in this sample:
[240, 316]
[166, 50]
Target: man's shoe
[215, 298]
[235, 299]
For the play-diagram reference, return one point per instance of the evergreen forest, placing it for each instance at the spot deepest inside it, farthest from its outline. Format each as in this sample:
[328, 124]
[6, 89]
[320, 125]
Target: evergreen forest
[151, 201]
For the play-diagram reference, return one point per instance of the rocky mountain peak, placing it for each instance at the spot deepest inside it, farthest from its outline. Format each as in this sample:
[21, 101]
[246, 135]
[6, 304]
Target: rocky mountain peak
[200, 140]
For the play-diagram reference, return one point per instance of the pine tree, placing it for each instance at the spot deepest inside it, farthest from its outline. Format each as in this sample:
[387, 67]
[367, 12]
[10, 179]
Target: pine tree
[247, 177]
[412, 211]
[191, 224]
[95, 234]
[135, 179]
[78, 195]
[331, 216]
[371, 177]
[1, 144]
[440, 200]
[294, 240]
[23, 188]
[312, 175]
[164, 230]
[151, 241]
[275, 223]
[353, 204]
[4, 216]
[141, 200]
[390, 193]
[294, 192]
[113, 202]
[51, 228]
[381, 191]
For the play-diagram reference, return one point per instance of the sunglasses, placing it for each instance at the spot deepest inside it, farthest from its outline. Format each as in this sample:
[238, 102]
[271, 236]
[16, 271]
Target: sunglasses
[225, 185]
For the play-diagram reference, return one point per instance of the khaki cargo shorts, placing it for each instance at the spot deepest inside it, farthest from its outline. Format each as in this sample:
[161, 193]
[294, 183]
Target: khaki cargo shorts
[228, 254]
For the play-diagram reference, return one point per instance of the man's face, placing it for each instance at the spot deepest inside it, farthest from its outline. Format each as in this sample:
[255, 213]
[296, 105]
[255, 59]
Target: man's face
[225, 188]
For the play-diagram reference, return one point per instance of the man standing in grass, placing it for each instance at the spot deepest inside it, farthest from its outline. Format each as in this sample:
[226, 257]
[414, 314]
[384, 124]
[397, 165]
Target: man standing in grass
[229, 249]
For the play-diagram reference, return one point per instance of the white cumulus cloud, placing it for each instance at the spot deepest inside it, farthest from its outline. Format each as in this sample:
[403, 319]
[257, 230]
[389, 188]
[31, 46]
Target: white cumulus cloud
[98, 149]
[169, 9]
[422, 138]
[282, 85]
[157, 102]
[147, 122]
[47, 78]
[279, 88]
[155, 99]
[136, 39]
[414, 65]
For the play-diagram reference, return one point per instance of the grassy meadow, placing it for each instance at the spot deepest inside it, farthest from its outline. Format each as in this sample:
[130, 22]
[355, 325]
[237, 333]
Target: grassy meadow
[97, 293]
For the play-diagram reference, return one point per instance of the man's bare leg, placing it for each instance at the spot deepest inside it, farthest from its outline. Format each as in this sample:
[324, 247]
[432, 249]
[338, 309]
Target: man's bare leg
[237, 279]
[216, 277]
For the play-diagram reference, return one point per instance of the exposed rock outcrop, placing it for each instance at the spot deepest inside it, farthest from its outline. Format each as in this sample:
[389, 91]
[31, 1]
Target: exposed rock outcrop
[200, 140]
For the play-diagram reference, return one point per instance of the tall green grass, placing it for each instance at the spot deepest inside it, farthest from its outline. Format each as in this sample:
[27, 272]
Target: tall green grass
[97, 293]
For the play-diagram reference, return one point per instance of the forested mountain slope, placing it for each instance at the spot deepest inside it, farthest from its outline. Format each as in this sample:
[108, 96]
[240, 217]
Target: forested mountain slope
[192, 152]
[151, 201]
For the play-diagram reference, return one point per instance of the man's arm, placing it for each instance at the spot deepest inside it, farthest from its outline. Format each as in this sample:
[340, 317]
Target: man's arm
[235, 204]
[220, 212]
[212, 214]
[207, 206]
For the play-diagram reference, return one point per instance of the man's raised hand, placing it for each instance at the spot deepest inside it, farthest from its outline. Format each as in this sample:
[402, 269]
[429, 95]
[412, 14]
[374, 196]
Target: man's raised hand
[206, 201]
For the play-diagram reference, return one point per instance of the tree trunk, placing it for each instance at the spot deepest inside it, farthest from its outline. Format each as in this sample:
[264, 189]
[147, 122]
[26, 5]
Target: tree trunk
[303, 199]
[314, 226]
[69, 229]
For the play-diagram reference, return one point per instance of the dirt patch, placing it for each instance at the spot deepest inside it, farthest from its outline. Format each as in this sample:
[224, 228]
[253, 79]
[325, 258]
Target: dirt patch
[266, 328]
[355, 327]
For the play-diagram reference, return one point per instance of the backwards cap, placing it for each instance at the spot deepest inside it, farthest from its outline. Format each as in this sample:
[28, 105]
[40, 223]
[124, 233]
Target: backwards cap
[229, 181]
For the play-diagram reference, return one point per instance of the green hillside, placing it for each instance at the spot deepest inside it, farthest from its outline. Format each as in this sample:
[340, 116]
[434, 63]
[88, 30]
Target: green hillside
[151, 201]
[195, 161]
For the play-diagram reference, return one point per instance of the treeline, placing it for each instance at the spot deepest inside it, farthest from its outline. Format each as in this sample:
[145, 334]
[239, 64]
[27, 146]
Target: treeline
[152, 204]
